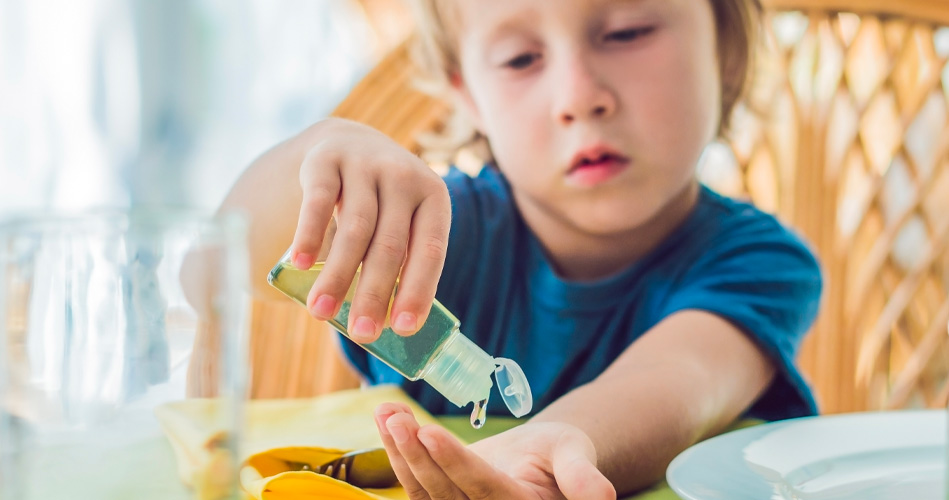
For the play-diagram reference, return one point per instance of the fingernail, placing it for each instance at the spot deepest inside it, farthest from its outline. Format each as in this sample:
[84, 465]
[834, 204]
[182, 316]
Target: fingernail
[429, 442]
[324, 306]
[381, 422]
[406, 322]
[364, 329]
[398, 431]
[303, 261]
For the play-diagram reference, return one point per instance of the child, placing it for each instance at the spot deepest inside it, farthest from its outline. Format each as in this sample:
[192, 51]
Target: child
[647, 311]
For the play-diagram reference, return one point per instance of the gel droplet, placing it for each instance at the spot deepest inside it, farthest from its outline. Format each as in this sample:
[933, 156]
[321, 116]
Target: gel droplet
[479, 413]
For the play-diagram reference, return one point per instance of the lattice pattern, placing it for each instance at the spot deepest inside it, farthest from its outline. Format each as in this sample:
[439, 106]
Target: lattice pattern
[845, 136]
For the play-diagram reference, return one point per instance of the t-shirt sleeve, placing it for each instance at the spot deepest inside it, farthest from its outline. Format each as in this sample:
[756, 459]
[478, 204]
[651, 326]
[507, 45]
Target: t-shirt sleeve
[766, 282]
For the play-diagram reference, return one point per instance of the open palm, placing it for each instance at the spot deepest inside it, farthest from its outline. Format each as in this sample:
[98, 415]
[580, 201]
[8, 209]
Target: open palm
[544, 460]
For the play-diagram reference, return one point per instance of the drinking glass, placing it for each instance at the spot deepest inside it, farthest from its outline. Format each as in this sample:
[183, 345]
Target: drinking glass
[106, 317]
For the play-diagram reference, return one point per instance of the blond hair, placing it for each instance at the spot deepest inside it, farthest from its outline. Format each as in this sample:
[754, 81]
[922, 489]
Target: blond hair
[435, 53]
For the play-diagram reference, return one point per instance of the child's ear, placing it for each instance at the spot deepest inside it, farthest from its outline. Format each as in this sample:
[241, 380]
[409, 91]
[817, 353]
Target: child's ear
[463, 97]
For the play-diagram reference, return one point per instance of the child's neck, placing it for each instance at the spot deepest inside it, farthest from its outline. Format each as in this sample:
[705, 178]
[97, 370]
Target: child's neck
[580, 256]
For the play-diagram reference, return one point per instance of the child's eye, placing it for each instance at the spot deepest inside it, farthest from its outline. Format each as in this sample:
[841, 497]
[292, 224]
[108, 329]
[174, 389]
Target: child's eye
[522, 61]
[627, 35]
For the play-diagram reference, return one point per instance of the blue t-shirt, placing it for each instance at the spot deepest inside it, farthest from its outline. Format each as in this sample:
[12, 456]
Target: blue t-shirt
[727, 258]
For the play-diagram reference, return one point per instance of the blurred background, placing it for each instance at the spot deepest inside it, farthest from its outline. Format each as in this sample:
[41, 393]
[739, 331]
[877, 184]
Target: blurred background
[122, 102]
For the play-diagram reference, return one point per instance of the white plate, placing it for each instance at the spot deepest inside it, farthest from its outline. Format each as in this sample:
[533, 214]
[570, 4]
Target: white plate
[859, 456]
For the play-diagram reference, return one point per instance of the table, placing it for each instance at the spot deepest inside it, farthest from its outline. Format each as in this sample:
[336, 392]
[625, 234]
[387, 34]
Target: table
[149, 471]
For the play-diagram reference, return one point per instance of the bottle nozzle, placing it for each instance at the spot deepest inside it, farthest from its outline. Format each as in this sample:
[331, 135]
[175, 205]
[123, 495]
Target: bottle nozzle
[460, 371]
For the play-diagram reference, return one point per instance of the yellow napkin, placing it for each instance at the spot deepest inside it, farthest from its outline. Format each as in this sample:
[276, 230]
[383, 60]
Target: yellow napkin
[277, 430]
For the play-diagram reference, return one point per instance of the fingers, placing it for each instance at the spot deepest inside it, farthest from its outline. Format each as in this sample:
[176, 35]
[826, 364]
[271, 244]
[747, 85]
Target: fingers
[424, 261]
[431, 464]
[356, 220]
[381, 267]
[404, 431]
[391, 210]
[471, 474]
[574, 465]
[320, 181]
[382, 248]
[390, 231]
[413, 488]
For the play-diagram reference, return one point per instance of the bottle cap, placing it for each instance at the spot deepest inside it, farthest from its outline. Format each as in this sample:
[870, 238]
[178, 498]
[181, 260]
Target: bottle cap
[513, 386]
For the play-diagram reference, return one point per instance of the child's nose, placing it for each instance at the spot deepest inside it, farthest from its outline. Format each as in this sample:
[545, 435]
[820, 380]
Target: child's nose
[581, 94]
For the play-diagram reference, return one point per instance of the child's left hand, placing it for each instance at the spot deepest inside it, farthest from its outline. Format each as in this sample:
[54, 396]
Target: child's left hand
[545, 460]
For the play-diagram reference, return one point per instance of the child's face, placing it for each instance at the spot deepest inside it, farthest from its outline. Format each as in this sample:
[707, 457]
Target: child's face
[596, 110]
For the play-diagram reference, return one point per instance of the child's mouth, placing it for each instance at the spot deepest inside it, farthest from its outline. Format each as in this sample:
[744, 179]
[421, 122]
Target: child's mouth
[590, 170]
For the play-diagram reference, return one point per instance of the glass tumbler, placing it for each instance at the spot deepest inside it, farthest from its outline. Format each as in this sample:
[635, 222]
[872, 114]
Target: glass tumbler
[109, 320]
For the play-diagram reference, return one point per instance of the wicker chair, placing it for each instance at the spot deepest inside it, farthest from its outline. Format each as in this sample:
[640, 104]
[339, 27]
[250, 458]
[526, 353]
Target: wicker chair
[851, 150]
[844, 136]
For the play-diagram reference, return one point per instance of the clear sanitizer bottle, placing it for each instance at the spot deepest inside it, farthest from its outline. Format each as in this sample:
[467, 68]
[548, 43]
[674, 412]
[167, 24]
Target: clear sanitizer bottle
[438, 353]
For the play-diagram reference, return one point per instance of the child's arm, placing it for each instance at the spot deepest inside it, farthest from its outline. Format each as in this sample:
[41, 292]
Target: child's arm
[389, 206]
[686, 379]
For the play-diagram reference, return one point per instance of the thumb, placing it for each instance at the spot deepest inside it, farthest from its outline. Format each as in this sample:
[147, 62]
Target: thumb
[574, 464]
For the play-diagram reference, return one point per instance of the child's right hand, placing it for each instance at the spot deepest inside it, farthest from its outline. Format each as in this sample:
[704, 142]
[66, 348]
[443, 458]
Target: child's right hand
[393, 214]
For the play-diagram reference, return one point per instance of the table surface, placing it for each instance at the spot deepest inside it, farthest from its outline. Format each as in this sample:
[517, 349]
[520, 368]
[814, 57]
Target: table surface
[149, 471]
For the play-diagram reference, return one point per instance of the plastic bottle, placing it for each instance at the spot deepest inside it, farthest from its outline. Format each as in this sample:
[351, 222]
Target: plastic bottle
[438, 353]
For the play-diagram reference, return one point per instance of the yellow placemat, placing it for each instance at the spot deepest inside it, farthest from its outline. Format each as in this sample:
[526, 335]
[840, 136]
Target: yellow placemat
[330, 424]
